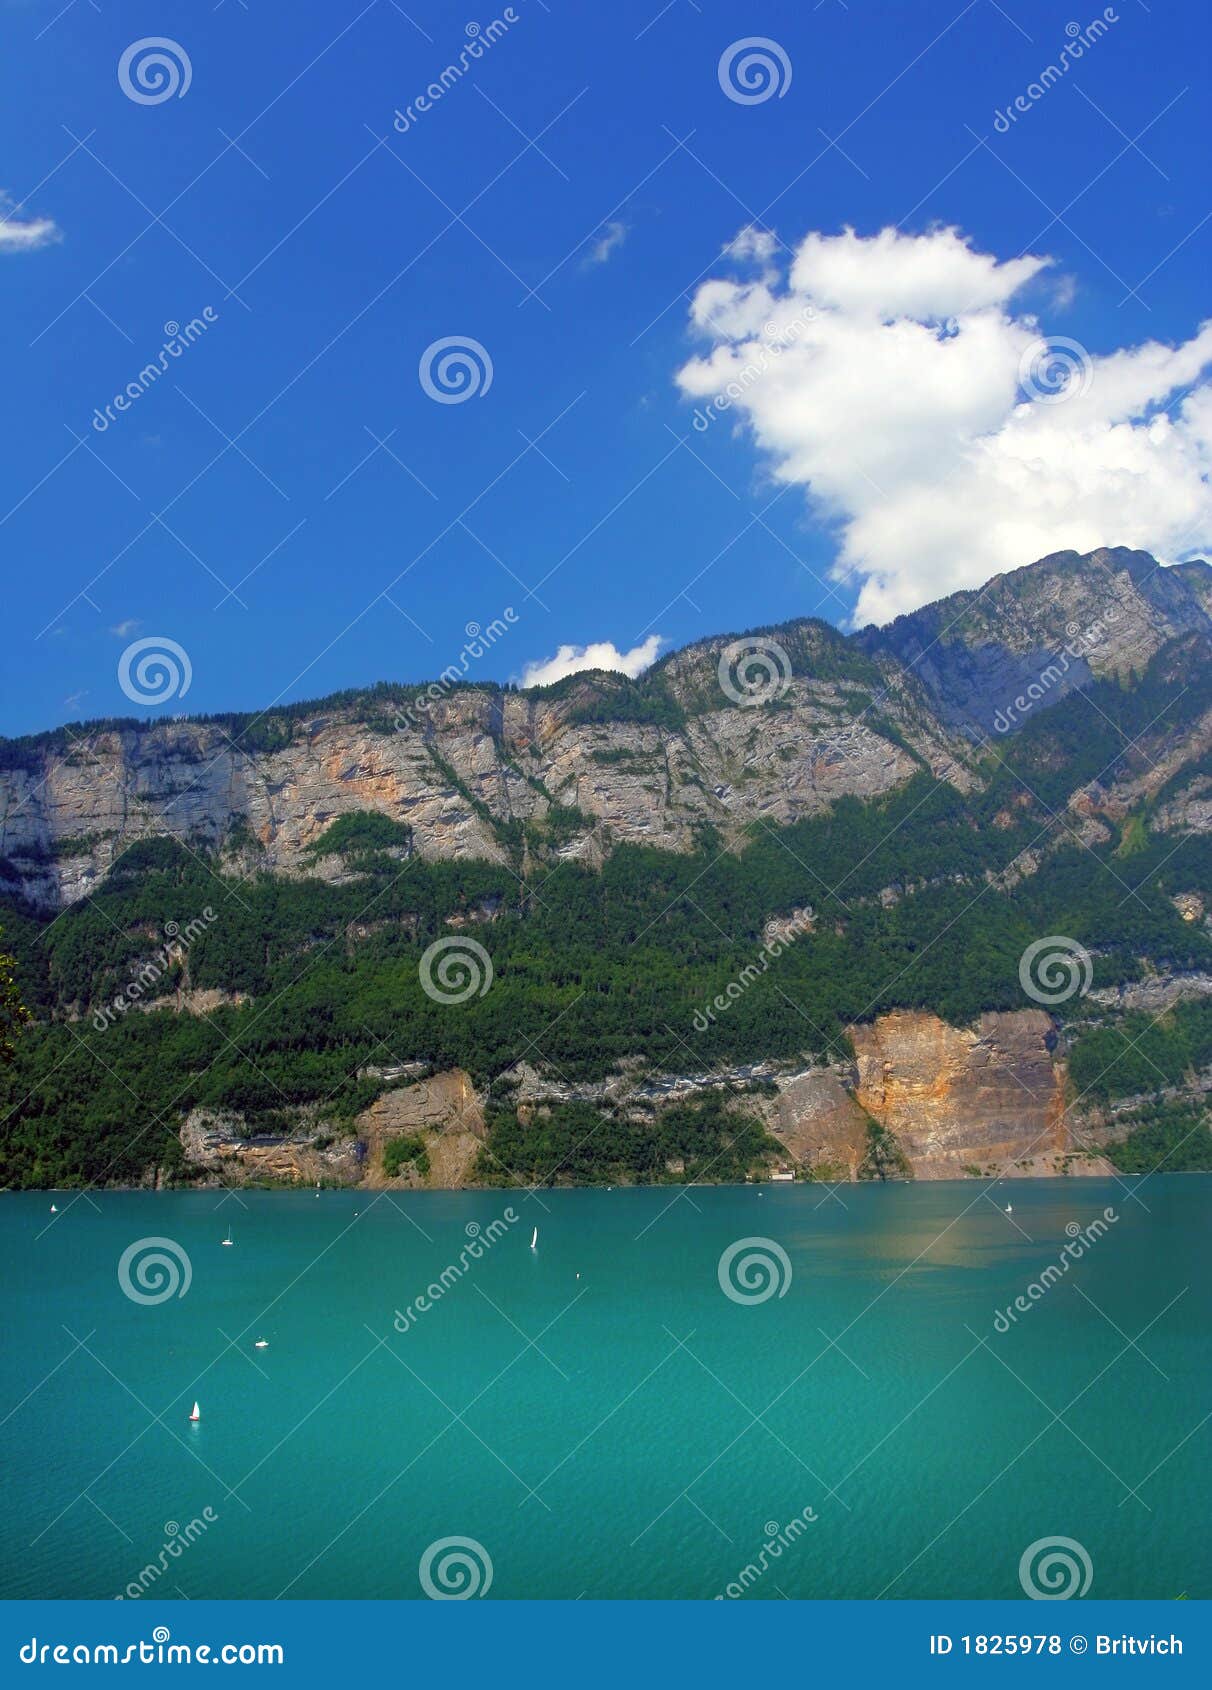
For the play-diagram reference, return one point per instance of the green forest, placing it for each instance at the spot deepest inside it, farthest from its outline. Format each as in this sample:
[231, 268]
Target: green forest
[595, 967]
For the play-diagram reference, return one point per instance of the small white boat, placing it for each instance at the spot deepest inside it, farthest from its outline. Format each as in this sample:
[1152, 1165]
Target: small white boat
[1009, 1209]
[54, 1208]
[229, 1240]
[534, 1239]
[195, 1413]
[261, 1344]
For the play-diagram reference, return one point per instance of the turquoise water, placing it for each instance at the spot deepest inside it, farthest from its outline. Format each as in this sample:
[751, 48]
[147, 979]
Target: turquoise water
[597, 1435]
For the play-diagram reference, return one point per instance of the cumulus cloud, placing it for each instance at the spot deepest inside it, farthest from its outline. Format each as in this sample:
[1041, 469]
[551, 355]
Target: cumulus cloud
[24, 234]
[123, 630]
[900, 380]
[603, 655]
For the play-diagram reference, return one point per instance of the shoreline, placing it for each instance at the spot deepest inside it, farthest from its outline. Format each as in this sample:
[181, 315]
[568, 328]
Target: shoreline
[371, 1194]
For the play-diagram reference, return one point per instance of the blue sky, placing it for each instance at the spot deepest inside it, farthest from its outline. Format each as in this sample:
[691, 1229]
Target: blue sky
[559, 204]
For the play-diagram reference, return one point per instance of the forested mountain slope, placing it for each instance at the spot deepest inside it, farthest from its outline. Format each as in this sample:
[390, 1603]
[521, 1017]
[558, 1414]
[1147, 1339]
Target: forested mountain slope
[769, 904]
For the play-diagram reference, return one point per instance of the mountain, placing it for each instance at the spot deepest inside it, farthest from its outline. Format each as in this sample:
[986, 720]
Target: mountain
[774, 902]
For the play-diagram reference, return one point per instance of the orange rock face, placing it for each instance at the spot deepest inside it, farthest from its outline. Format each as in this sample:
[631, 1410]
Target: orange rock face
[960, 1097]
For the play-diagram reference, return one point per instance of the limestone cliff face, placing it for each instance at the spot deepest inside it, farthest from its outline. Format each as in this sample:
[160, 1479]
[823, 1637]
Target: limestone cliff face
[445, 1111]
[1067, 616]
[960, 1101]
[217, 1146]
[480, 761]
[964, 1097]
[851, 715]
[818, 1118]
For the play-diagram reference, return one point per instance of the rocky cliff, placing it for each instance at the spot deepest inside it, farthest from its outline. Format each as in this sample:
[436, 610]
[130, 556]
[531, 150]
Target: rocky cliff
[576, 770]
[958, 1102]
[478, 764]
[861, 841]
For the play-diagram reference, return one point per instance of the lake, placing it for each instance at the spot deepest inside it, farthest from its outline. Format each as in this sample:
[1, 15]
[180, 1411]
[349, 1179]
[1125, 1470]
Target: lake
[642, 1405]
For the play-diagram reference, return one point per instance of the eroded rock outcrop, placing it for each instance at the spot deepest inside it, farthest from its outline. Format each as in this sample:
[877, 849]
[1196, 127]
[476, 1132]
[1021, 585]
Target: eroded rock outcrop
[958, 1098]
[218, 1146]
[445, 1112]
[478, 764]
[958, 1102]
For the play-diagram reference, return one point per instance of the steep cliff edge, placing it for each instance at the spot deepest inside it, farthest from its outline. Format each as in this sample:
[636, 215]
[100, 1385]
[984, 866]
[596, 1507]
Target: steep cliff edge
[571, 772]
[959, 1098]
[774, 902]
[958, 1102]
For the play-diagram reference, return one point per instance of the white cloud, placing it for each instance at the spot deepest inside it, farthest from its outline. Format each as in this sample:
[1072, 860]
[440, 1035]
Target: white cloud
[125, 629]
[604, 655]
[613, 235]
[24, 234]
[752, 242]
[908, 398]
[891, 275]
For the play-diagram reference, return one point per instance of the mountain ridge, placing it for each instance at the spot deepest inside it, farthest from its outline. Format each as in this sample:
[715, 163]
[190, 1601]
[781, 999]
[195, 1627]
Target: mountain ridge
[1195, 576]
[476, 770]
[781, 901]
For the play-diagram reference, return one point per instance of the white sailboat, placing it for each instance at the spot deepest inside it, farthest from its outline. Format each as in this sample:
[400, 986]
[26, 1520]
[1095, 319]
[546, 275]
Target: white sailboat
[229, 1240]
[261, 1344]
[534, 1239]
[1009, 1209]
[54, 1208]
[195, 1412]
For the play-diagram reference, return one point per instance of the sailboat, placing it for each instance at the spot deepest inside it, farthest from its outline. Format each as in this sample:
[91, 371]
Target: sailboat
[534, 1239]
[261, 1344]
[54, 1208]
[229, 1239]
[1009, 1209]
[195, 1413]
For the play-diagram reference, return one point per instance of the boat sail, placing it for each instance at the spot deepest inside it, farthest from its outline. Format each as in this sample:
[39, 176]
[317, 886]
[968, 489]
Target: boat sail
[195, 1413]
[534, 1239]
